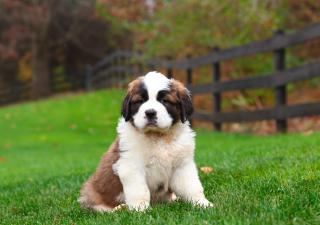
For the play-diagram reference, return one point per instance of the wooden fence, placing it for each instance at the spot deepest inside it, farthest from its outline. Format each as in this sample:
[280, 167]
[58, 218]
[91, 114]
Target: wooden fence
[121, 64]
[19, 91]
[16, 92]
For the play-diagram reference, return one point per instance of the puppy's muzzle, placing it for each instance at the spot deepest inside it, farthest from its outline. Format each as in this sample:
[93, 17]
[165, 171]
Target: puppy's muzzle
[151, 116]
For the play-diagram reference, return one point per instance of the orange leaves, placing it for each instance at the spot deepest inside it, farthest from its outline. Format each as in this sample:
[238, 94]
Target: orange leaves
[2, 159]
[7, 145]
[206, 169]
[73, 126]
[24, 65]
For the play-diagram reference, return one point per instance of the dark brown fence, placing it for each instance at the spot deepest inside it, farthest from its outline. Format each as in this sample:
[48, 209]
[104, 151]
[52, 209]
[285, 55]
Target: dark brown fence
[115, 69]
[19, 91]
[122, 64]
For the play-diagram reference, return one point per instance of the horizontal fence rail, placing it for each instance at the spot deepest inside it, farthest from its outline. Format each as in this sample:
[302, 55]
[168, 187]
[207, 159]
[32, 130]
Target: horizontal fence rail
[112, 57]
[122, 64]
[16, 93]
[279, 112]
[112, 70]
[304, 72]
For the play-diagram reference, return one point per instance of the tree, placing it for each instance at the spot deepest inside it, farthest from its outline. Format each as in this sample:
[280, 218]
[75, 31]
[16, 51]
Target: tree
[169, 26]
[51, 30]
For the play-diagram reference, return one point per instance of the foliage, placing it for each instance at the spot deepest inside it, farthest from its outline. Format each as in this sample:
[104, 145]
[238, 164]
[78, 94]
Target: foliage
[24, 66]
[51, 34]
[182, 27]
[195, 27]
[40, 35]
[302, 13]
[49, 148]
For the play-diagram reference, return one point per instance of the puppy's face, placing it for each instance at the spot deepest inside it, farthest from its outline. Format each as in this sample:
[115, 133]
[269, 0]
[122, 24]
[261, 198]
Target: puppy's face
[155, 103]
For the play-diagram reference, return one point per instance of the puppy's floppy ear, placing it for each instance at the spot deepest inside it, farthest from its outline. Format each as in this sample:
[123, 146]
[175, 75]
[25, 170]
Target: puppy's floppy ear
[185, 104]
[125, 109]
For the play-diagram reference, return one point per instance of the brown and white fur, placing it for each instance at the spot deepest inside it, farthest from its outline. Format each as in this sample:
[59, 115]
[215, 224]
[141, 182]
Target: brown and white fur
[152, 159]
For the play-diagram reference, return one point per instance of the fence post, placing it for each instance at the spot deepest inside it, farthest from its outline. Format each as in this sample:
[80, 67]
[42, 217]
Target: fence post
[169, 70]
[88, 84]
[216, 96]
[138, 61]
[280, 91]
[189, 80]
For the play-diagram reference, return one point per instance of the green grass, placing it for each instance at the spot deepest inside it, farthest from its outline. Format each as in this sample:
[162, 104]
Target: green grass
[49, 148]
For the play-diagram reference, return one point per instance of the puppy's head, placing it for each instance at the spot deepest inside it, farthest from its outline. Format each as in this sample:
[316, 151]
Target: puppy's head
[155, 103]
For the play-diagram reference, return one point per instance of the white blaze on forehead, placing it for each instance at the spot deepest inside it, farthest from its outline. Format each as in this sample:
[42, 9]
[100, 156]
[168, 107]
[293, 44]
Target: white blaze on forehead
[155, 82]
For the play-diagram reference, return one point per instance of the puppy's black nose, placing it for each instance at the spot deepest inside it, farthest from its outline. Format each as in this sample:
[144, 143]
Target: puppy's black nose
[151, 114]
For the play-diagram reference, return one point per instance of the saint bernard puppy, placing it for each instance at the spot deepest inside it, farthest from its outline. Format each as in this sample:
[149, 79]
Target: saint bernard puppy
[152, 159]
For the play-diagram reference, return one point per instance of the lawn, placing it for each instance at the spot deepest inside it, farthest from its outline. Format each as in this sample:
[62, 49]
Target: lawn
[49, 148]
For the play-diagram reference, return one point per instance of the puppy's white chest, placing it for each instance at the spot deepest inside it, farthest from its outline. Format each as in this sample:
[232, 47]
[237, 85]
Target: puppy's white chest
[159, 169]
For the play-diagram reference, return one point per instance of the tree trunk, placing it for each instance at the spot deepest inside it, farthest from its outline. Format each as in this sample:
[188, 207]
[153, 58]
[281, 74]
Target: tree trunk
[40, 69]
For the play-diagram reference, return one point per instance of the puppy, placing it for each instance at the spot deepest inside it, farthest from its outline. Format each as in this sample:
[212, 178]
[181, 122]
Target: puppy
[152, 159]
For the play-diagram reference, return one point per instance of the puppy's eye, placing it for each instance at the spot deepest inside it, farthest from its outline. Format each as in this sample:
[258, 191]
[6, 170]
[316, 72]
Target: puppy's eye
[138, 102]
[165, 101]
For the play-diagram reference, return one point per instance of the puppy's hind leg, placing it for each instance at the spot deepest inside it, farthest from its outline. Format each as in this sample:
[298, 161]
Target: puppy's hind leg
[86, 203]
[101, 208]
[90, 199]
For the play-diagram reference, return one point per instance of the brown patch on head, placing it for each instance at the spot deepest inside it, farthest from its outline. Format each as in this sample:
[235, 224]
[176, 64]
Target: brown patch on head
[136, 95]
[104, 186]
[133, 86]
[185, 99]
[177, 101]
[178, 86]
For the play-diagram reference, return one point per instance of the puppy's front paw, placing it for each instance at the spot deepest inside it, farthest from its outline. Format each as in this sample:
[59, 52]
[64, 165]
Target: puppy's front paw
[139, 206]
[173, 197]
[203, 203]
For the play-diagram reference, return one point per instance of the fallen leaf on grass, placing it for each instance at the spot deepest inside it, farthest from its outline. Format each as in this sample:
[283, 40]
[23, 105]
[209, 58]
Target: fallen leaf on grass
[55, 145]
[308, 132]
[7, 145]
[206, 169]
[73, 126]
[2, 159]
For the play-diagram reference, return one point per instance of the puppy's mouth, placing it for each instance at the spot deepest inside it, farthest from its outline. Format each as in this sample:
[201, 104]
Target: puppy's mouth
[151, 123]
[153, 127]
